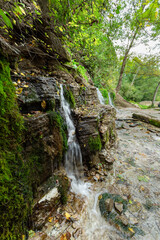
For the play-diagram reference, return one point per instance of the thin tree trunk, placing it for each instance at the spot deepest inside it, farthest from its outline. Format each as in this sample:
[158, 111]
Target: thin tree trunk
[135, 76]
[155, 94]
[124, 62]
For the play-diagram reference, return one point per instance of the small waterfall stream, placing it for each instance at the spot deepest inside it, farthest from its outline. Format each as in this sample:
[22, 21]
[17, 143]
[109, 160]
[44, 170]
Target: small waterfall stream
[93, 224]
[73, 156]
[100, 97]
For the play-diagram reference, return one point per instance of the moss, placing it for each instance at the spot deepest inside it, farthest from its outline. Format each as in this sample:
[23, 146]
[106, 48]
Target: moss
[55, 118]
[155, 122]
[63, 188]
[16, 192]
[113, 217]
[69, 96]
[95, 143]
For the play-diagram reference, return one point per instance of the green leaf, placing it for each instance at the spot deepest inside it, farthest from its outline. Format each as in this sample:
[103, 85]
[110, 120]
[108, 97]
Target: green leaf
[6, 20]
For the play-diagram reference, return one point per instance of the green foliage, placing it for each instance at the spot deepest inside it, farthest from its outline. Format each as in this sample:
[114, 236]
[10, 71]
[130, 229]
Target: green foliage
[6, 20]
[55, 118]
[80, 69]
[69, 96]
[95, 143]
[15, 189]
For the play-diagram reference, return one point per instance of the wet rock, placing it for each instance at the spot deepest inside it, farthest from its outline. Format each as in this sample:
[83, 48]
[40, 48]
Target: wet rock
[133, 220]
[39, 89]
[123, 219]
[118, 207]
[43, 142]
[77, 233]
[109, 204]
[95, 131]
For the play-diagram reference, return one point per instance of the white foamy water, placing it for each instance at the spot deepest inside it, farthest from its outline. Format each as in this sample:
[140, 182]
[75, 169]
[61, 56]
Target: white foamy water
[73, 157]
[100, 97]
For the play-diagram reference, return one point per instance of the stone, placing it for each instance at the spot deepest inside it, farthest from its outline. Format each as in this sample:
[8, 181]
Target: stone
[123, 219]
[109, 204]
[119, 207]
[133, 220]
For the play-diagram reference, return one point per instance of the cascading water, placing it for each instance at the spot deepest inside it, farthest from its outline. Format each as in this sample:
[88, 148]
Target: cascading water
[110, 99]
[95, 226]
[100, 97]
[73, 157]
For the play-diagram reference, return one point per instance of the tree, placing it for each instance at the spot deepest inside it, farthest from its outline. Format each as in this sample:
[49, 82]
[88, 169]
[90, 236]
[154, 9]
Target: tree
[155, 94]
[143, 14]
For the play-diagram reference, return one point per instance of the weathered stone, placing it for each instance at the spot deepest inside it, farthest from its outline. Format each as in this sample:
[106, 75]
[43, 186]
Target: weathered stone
[44, 143]
[91, 125]
[109, 204]
[39, 89]
[119, 207]
[123, 219]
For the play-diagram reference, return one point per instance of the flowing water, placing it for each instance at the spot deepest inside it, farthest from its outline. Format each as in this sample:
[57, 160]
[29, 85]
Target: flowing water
[100, 97]
[73, 157]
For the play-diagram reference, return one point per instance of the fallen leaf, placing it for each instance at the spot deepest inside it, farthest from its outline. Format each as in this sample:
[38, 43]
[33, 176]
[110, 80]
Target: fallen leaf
[100, 197]
[43, 104]
[19, 90]
[131, 230]
[25, 86]
[22, 74]
[67, 215]
[50, 219]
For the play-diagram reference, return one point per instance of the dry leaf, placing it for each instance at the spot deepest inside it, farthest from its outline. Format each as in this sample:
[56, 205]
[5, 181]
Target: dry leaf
[19, 90]
[67, 215]
[50, 219]
[43, 104]
[131, 230]
[25, 86]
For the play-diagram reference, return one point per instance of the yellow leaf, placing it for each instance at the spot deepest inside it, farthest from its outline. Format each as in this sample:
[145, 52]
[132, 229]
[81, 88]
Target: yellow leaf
[26, 86]
[50, 219]
[67, 215]
[131, 230]
[22, 74]
[23, 237]
[19, 90]
[43, 104]
[22, 10]
[100, 197]
[58, 93]
[15, 84]
[18, 81]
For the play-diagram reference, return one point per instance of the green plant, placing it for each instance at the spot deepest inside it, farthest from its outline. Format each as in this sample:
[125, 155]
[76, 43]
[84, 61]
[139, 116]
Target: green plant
[95, 143]
[69, 96]
[55, 118]
[15, 188]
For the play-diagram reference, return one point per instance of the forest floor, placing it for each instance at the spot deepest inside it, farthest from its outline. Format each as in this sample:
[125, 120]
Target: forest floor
[135, 176]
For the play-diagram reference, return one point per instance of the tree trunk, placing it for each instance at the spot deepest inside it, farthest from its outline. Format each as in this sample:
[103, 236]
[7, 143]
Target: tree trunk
[155, 94]
[135, 76]
[124, 62]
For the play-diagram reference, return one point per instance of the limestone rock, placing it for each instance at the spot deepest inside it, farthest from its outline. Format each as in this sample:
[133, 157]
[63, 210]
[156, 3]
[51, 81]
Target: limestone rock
[118, 207]
[123, 219]
[109, 204]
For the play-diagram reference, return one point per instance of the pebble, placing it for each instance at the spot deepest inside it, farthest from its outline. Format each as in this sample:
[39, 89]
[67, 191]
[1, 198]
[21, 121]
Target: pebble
[118, 207]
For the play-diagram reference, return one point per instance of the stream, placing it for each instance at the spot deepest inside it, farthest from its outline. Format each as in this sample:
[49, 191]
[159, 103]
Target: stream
[135, 177]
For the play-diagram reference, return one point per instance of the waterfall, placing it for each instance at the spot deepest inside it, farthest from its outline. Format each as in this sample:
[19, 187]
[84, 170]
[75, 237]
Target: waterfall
[110, 100]
[73, 156]
[100, 97]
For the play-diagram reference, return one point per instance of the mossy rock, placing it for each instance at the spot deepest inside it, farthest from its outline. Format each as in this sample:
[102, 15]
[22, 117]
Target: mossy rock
[15, 188]
[95, 143]
[127, 230]
[69, 96]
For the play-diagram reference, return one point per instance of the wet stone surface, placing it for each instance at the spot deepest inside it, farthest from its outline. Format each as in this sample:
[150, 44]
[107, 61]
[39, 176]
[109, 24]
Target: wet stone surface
[133, 183]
